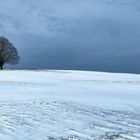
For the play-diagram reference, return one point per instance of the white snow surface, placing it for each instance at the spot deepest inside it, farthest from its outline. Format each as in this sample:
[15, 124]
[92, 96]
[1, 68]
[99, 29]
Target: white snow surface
[69, 105]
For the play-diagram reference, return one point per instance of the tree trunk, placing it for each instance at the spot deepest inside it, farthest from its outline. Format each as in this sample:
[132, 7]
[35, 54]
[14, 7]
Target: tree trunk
[1, 66]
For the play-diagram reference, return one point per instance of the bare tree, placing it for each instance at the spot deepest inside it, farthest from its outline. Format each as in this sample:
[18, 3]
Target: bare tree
[8, 53]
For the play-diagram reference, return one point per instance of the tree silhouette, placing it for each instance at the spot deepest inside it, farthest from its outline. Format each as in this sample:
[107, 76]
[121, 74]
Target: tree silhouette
[8, 53]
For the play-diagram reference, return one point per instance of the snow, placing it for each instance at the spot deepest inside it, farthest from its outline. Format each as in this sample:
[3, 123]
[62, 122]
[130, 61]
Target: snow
[69, 105]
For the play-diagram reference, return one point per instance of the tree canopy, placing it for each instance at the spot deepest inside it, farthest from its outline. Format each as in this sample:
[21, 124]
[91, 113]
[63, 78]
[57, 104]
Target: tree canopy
[8, 53]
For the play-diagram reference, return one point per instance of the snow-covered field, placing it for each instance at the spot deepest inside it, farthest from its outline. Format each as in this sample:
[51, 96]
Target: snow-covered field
[69, 105]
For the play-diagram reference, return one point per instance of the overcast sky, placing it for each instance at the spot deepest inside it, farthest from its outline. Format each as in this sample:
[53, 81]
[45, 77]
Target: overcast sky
[102, 35]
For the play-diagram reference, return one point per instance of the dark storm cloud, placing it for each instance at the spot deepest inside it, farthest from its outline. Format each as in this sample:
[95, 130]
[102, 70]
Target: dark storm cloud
[68, 34]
